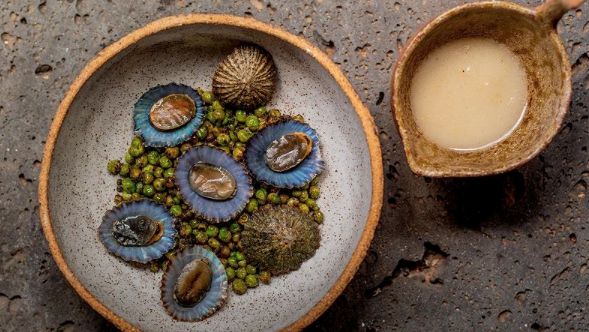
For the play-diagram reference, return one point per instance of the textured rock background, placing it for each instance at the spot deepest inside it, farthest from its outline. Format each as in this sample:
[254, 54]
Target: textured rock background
[506, 252]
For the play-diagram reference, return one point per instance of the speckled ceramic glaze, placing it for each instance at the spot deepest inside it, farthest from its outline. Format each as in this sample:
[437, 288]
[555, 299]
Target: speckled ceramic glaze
[94, 124]
[530, 34]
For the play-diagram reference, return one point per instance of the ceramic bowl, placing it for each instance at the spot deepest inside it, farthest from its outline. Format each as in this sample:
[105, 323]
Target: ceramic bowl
[94, 124]
[530, 34]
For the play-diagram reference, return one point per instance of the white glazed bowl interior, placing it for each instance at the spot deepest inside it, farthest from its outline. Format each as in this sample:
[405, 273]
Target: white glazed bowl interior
[98, 127]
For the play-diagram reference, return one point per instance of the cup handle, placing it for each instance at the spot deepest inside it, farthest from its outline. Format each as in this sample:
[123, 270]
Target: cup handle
[551, 11]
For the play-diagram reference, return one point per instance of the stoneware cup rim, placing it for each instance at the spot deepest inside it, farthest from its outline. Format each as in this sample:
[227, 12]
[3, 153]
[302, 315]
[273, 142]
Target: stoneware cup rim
[172, 22]
[547, 15]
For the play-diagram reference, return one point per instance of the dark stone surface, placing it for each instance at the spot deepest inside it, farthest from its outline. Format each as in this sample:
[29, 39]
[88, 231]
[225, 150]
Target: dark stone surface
[506, 252]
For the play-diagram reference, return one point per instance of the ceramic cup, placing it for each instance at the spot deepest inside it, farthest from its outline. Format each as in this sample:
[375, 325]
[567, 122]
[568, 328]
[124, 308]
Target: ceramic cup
[530, 34]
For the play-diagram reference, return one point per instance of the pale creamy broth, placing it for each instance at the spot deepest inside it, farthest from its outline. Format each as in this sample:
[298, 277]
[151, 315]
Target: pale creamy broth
[469, 94]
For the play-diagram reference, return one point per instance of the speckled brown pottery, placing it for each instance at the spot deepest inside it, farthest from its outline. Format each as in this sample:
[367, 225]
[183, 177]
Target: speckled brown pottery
[94, 124]
[529, 33]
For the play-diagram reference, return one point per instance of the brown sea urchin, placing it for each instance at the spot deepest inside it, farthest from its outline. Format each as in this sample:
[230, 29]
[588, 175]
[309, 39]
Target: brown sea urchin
[246, 78]
[280, 238]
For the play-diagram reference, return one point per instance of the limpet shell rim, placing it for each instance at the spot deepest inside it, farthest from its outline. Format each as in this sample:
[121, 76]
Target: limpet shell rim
[213, 300]
[212, 210]
[154, 137]
[139, 254]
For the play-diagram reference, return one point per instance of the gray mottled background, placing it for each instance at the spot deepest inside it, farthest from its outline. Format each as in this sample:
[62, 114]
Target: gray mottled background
[504, 252]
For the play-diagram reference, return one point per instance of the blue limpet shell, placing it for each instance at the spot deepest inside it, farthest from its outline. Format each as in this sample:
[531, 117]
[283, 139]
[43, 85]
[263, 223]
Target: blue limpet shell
[295, 177]
[214, 210]
[213, 299]
[159, 138]
[140, 254]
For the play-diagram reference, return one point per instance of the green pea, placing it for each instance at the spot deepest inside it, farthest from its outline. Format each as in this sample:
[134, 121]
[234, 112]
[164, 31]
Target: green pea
[169, 201]
[177, 200]
[232, 261]
[239, 287]
[114, 167]
[185, 147]
[135, 196]
[235, 238]
[261, 194]
[153, 157]
[311, 204]
[252, 205]
[147, 178]
[139, 187]
[314, 192]
[128, 158]
[264, 277]
[136, 141]
[159, 184]
[165, 162]
[148, 169]
[304, 208]
[239, 256]
[238, 153]
[207, 97]
[158, 172]
[260, 111]
[241, 273]
[214, 244]
[242, 263]
[124, 170]
[135, 172]
[274, 113]
[148, 190]
[216, 105]
[252, 122]
[274, 198]
[210, 116]
[251, 269]
[232, 136]
[230, 273]
[128, 185]
[194, 223]
[202, 132]
[212, 231]
[176, 210]
[218, 114]
[318, 216]
[141, 161]
[172, 152]
[223, 139]
[169, 172]
[240, 116]
[234, 227]
[299, 118]
[225, 252]
[202, 226]
[251, 281]
[159, 197]
[296, 193]
[243, 135]
[224, 235]
[292, 202]
[136, 151]
[201, 237]
[185, 230]
[304, 196]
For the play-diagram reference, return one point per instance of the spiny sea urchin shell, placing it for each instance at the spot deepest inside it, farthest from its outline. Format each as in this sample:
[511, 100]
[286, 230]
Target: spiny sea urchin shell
[280, 238]
[195, 285]
[246, 78]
